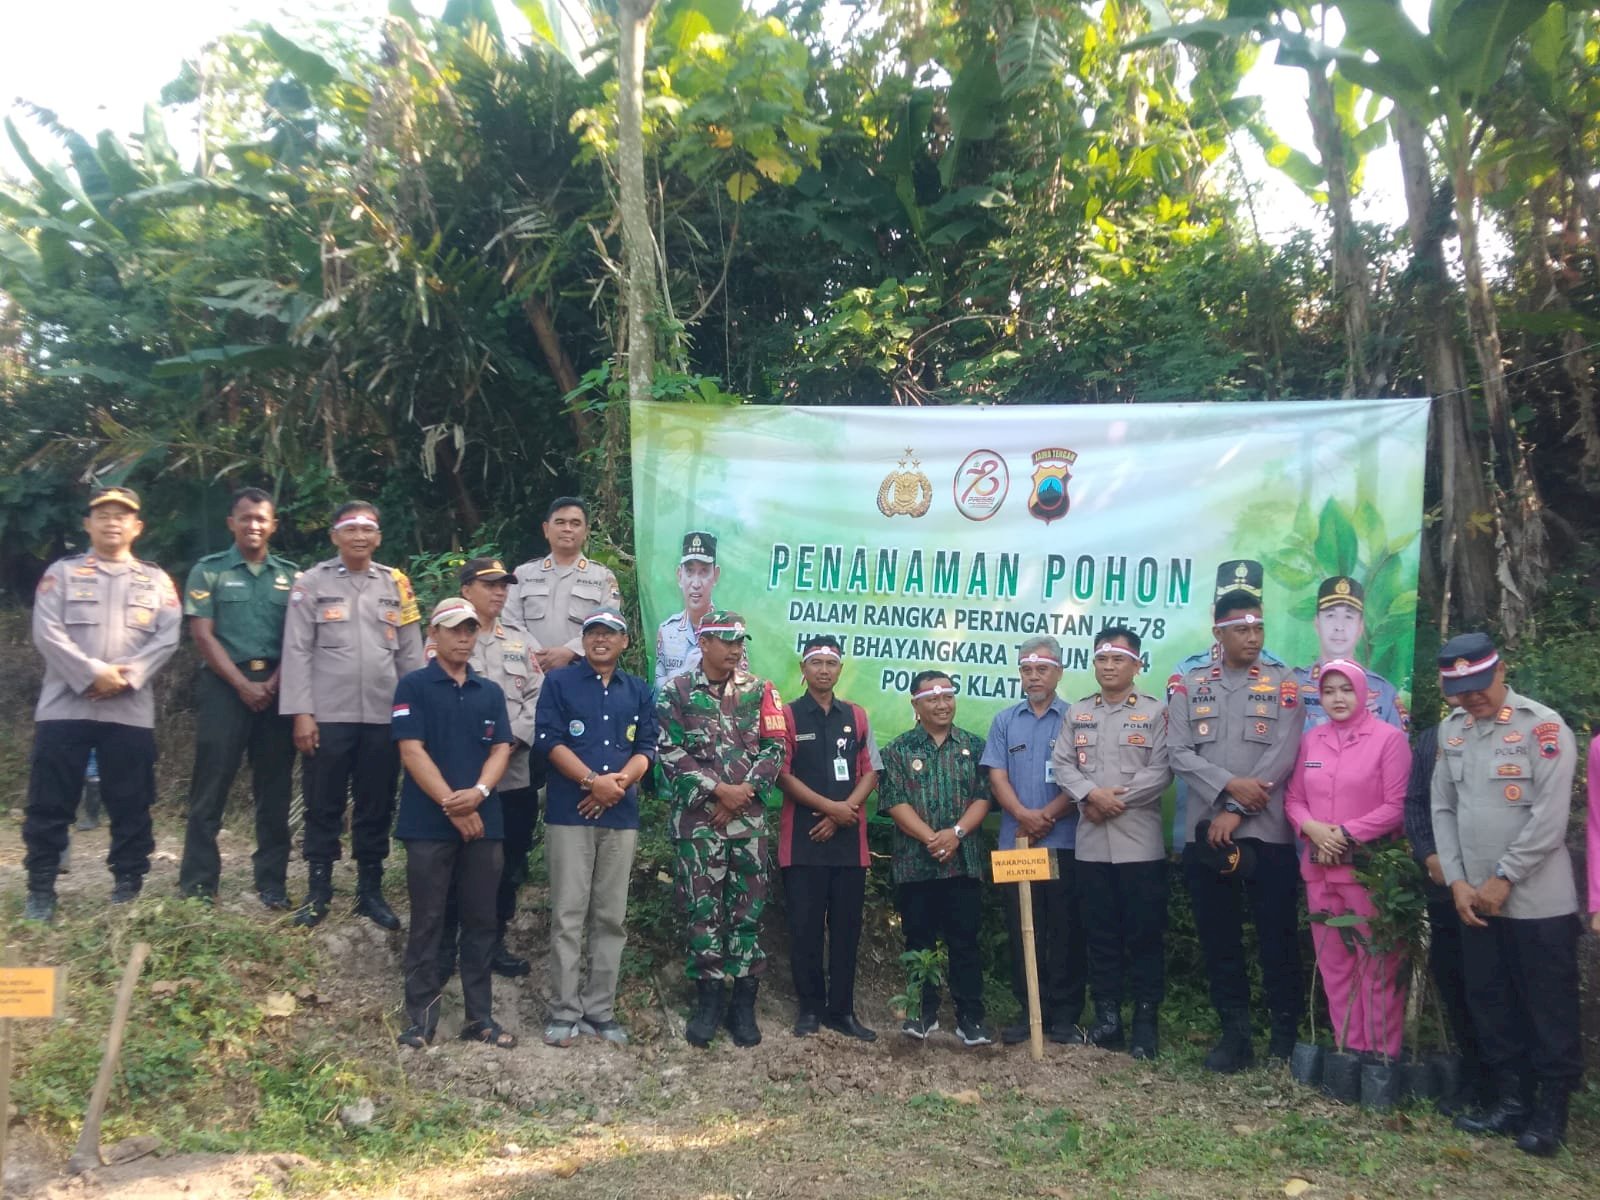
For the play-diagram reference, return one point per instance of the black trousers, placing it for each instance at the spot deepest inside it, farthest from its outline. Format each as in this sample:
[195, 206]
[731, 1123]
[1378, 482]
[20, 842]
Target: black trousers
[127, 756]
[1273, 894]
[1058, 941]
[358, 759]
[1522, 988]
[1449, 976]
[951, 909]
[435, 872]
[225, 729]
[1124, 911]
[824, 901]
[520, 813]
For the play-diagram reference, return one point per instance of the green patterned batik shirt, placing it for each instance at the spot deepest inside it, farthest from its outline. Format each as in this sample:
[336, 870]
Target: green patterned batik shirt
[708, 738]
[939, 782]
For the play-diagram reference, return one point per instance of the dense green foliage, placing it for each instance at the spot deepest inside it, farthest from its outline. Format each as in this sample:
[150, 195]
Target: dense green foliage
[393, 267]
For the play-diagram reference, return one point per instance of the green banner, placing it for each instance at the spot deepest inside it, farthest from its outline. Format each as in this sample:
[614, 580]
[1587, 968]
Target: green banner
[943, 537]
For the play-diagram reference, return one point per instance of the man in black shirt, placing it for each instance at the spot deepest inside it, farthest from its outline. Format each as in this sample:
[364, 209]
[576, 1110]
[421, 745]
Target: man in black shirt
[830, 768]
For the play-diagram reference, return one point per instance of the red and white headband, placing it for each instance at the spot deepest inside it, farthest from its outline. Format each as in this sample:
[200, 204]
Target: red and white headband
[356, 521]
[1034, 658]
[821, 652]
[1115, 649]
[934, 692]
[1246, 619]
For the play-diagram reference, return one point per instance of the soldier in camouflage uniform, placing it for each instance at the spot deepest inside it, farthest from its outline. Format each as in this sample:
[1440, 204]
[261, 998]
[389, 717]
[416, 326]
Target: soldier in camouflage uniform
[722, 746]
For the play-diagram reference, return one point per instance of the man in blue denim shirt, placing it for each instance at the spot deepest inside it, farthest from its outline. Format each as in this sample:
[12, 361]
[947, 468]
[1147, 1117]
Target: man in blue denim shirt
[596, 724]
[1017, 756]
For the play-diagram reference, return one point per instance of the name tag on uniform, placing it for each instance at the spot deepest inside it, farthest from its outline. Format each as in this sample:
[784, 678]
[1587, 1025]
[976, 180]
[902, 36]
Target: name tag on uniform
[841, 770]
[805, 737]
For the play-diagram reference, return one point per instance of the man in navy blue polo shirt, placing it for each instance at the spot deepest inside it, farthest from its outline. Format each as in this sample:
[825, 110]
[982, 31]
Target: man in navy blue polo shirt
[1017, 755]
[596, 726]
[455, 741]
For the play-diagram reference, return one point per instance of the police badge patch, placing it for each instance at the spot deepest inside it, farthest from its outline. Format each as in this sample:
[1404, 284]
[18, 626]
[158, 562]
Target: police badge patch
[1052, 471]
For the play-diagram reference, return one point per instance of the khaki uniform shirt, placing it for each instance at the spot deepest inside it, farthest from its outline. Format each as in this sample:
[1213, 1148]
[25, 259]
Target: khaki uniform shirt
[347, 640]
[550, 601]
[89, 613]
[1125, 746]
[1222, 723]
[1502, 793]
[505, 655]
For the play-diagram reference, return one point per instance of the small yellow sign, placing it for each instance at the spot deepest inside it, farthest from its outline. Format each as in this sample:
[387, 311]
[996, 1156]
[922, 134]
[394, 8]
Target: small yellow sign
[30, 991]
[1020, 866]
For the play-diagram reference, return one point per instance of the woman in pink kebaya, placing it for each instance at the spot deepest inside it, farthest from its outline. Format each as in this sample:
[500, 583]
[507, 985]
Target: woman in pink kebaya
[1349, 786]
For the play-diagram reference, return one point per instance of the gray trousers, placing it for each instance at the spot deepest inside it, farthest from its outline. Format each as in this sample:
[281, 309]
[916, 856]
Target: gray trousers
[588, 868]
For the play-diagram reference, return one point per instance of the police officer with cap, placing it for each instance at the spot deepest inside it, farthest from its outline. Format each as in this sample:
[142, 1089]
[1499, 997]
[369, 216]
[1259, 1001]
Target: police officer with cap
[105, 622]
[235, 601]
[553, 594]
[1502, 793]
[678, 639]
[353, 631]
[1341, 627]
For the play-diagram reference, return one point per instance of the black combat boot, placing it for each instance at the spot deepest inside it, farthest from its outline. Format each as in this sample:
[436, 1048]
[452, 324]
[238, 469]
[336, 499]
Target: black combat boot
[319, 895]
[41, 905]
[369, 897]
[503, 962]
[1507, 1116]
[1233, 1051]
[1547, 1128]
[126, 888]
[742, 1013]
[710, 998]
[1145, 1042]
[1106, 1032]
[1285, 1033]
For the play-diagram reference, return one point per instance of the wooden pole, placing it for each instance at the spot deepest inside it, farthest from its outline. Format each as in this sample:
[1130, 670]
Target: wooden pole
[87, 1155]
[1030, 963]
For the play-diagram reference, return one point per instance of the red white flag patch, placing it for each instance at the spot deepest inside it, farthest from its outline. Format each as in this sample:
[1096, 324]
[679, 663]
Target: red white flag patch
[401, 710]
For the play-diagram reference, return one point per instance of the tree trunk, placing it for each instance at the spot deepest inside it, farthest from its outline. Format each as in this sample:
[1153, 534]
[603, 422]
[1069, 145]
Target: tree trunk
[561, 368]
[638, 256]
[1350, 279]
[1521, 553]
[1466, 553]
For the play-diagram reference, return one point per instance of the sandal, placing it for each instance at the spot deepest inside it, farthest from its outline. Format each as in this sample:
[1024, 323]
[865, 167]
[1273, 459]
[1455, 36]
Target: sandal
[416, 1037]
[490, 1033]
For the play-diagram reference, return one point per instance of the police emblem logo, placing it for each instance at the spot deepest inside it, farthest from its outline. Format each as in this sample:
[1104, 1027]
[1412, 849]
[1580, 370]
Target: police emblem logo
[981, 485]
[1513, 793]
[1342, 588]
[916, 764]
[1052, 471]
[905, 490]
[575, 728]
[1203, 728]
[1137, 739]
[1261, 728]
[1548, 735]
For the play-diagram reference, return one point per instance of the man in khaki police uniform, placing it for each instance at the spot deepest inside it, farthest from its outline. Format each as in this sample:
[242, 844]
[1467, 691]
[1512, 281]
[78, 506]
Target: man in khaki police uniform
[1111, 759]
[235, 601]
[351, 633]
[553, 594]
[1502, 793]
[105, 623]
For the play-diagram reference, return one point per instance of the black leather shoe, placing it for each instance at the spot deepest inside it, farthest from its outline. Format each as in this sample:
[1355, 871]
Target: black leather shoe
[1145, 1040]
[1014, 1034]
[126, 889]
[1107, 1032]
[1233, 1051]
[508, 964]
[275, 899]
[1506, 1118]
[1067, 1033]
[1547, 1128]
[319, 895]
[850, 1027]
[806, 1023]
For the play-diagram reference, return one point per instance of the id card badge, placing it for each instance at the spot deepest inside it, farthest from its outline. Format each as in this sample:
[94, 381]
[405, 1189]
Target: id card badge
[841, 770]
[1049, 771]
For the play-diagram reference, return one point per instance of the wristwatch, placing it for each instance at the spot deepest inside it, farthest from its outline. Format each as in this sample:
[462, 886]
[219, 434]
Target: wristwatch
[587, 781]
[1500, 872]
[961, 834]
[483, 790]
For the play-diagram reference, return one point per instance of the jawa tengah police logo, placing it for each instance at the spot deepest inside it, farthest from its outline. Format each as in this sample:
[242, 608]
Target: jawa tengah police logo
[1052, 471]
[905, 491]
[981, 484]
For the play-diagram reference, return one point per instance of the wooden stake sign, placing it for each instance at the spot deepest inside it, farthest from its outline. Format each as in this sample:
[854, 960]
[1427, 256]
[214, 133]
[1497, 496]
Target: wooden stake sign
[1022, 866]
[25, 993]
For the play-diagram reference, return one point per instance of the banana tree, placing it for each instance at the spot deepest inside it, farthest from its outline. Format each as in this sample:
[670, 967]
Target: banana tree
[1444, 77]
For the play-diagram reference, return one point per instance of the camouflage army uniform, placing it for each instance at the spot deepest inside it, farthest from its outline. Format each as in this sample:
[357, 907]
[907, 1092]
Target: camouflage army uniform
[707, 739]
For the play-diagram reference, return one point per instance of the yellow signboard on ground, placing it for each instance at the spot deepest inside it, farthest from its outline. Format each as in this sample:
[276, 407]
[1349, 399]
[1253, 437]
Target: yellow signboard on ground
[1020, 866]
[29, 992]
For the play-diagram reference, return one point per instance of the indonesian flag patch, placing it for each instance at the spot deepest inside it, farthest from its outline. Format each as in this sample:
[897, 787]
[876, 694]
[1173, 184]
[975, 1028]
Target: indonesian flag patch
[400, 710]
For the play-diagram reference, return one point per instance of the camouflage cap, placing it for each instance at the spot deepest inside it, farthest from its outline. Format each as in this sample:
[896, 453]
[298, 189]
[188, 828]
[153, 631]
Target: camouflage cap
[725, 625]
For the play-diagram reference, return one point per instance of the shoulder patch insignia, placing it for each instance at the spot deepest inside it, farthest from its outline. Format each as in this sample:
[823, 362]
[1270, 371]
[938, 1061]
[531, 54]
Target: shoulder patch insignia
[47, 584]
[409, 613]
[1455, 741]
[1289, 693]
[198, 594]
[1548, 735]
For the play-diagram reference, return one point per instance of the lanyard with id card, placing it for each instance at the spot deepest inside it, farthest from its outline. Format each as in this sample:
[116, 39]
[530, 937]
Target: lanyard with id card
[841, 765]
